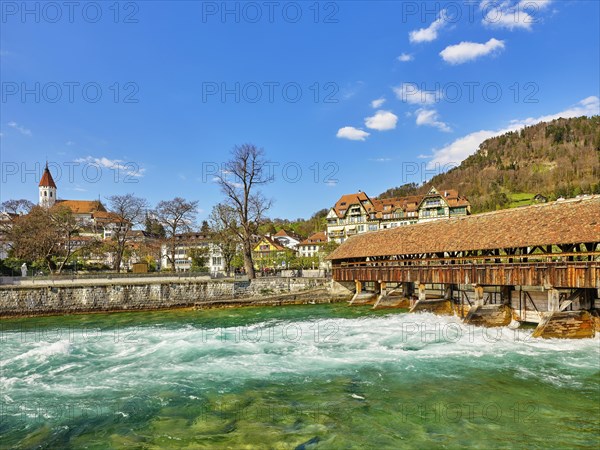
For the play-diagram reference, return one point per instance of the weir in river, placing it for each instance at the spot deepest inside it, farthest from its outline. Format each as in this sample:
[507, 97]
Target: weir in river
[537, 264]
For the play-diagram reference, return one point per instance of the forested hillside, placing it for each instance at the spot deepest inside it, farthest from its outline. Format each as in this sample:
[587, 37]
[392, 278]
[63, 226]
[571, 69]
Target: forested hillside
[556, 159]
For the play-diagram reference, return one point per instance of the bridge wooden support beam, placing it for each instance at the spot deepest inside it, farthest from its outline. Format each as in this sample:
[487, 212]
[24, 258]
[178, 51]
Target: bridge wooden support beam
[358, 290]
[363, 297]
[422, 292]
[506, 294]
[392, 297]
[438, 306]
[449, 291]
[382, 292]
[490, 315]
[553, 300]
[478, 290]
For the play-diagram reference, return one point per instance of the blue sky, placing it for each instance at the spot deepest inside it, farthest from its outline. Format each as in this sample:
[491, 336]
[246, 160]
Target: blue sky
[150, 97]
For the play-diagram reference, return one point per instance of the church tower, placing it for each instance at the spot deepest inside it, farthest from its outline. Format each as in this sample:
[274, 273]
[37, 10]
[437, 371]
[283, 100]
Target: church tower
[47, 189]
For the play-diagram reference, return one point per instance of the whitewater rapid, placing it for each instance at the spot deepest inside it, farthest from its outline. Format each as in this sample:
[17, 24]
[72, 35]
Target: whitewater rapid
[71, 362]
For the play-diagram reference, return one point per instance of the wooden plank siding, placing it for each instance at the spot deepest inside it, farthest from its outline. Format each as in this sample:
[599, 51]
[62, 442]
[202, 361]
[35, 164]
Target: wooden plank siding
[576, 274]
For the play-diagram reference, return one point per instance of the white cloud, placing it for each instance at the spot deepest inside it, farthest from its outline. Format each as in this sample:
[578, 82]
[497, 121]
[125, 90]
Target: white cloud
[21, 129]
[382, 120]
[468, 51]
[431, 32]
[351, 89]
[430, 117]
[410, 93]
[455, 152]
[381, 160]
[512, 14]
[405, 57]
[377, 103]
[131, 169]
[354, 134]
[69, 143]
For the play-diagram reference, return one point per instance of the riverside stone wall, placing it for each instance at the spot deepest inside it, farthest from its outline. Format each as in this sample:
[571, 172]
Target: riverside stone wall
[147, 294]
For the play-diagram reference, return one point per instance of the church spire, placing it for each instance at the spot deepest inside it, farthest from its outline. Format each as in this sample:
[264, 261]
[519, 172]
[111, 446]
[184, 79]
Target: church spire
[47, 180]
[47, 189]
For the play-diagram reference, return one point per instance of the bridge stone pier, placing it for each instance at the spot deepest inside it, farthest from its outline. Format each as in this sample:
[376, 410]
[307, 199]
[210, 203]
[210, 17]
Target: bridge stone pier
[537, 264]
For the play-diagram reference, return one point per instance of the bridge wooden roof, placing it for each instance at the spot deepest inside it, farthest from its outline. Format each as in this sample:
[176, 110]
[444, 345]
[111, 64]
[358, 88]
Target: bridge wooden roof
[563, 222]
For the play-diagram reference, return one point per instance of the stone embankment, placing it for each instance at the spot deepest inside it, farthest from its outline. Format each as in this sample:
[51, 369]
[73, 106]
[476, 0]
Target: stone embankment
[147, 294]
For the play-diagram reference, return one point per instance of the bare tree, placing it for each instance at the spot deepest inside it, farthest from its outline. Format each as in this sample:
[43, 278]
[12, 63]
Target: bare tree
[127, 211]
[222, 222]
[176, 216]
[21, 206]
[242, 175]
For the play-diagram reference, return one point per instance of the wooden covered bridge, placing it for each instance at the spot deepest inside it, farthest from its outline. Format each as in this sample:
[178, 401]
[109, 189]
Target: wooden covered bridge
[499, 264]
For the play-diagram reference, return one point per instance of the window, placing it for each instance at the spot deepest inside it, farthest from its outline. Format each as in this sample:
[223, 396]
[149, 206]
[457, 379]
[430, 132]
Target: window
[216, 261]
[50, 193]
[373, 227]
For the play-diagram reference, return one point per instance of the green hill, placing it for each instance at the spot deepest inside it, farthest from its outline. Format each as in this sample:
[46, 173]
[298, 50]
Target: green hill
[555, 159]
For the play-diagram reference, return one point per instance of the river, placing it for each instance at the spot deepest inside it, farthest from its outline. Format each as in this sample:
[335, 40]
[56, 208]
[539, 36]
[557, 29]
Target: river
[307, 377]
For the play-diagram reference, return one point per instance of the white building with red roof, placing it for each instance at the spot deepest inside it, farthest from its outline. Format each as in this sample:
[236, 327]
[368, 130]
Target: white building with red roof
[358, 213]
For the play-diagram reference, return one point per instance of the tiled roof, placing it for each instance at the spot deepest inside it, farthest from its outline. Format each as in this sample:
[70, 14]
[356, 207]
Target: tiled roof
[82, 206]
[107, 217]
[47, 180]
[315, 239]
[561, 222]
[273, 242]
[290, 234]
[451, 196]
[410, 203]
[351, 199]
[192, 236]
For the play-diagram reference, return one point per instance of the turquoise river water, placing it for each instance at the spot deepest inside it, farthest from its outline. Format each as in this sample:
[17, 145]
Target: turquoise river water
[295, 377]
